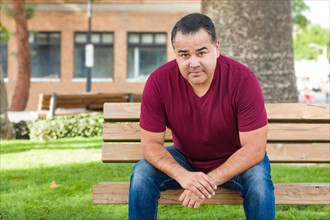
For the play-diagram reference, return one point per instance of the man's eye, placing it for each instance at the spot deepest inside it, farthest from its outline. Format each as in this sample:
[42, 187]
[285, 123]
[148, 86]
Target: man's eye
[201, 53]
[183, 55]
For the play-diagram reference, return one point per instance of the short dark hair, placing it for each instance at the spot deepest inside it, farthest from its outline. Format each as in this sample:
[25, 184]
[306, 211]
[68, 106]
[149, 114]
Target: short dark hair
[191, 23]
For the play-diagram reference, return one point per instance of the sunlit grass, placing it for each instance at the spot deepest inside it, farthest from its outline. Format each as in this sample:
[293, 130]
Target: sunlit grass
[45, 158]
[65, 143]
[28, 168]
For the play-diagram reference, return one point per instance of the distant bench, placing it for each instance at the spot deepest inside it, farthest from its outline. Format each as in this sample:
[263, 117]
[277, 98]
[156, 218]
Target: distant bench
[62, 104]
[298, 133]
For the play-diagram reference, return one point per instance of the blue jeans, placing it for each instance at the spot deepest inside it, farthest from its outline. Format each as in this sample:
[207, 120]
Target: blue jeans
[255, 187]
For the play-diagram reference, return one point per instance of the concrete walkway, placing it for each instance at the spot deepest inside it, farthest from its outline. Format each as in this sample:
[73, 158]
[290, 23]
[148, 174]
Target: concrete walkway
[23, 115]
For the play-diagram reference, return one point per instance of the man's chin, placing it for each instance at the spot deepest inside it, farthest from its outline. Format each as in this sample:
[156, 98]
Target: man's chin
[196, 81]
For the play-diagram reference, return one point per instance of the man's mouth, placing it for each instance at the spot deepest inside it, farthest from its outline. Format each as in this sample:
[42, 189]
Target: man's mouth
[195, 73]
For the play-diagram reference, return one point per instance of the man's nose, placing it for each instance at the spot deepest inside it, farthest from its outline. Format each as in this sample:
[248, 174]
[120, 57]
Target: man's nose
[194, 62]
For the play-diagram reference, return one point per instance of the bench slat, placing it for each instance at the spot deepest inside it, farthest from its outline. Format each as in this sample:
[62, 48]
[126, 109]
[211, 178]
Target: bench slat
[278, 153]
[122, 111]
[299, 112]
[63, 112]
[89, 100]
[285, 193]
[277, 132]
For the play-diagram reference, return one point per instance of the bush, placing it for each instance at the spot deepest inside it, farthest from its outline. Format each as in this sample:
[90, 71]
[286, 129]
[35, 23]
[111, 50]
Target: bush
[80, 125]
[22, 129]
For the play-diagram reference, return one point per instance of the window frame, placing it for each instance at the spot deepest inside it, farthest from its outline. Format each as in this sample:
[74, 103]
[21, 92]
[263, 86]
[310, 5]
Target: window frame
[33, 34]
[140, 45]
[100, 44]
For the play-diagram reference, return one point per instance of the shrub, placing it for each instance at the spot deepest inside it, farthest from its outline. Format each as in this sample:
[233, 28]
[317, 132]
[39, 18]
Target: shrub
[22, 129]
[80, 125]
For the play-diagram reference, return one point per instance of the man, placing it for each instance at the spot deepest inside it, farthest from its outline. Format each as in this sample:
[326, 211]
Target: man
[215, 109]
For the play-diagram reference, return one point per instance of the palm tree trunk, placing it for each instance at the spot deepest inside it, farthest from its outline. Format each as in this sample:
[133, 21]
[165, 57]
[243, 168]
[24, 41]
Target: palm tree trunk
[22, 86]
[258, 34]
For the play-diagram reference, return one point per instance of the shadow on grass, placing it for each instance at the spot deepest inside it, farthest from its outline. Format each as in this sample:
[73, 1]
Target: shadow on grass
[15, 146]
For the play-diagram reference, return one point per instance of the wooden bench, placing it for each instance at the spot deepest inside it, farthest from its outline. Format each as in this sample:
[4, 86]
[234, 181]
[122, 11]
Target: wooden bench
[298, 133]
[63, 104]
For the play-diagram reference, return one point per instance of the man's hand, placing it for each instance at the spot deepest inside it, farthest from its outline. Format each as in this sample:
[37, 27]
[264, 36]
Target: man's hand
[197, 183]
[190, 199]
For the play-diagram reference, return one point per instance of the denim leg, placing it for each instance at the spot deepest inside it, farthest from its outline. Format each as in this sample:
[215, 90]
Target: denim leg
[257, 190]
[146, 184]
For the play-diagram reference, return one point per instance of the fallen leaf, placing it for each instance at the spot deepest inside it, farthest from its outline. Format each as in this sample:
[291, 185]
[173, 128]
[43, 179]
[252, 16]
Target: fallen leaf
[53, 184]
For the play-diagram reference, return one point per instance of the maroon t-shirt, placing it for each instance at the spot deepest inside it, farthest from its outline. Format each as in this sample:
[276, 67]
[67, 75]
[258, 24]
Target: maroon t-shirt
[204, 129]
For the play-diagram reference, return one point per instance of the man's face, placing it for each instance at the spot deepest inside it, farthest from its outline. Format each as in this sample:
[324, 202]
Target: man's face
[196, 57]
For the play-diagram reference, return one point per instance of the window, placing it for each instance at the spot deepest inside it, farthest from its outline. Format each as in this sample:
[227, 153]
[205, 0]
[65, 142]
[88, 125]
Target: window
[146, 52]
[45, 54]
[103, 55]
[3, 55]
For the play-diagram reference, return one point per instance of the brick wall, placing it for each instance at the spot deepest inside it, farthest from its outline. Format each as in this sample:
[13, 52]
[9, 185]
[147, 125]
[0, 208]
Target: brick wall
[117, 18]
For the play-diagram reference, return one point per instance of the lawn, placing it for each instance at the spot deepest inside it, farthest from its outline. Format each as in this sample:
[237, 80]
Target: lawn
[28, 168]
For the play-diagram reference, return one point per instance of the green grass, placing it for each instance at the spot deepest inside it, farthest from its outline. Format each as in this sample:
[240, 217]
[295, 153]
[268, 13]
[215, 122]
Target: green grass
[28, 168]
[14, 146]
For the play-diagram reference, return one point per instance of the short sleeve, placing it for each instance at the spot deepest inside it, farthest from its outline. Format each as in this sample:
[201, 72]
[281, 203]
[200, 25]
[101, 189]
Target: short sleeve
[250, 105]
[152, 116]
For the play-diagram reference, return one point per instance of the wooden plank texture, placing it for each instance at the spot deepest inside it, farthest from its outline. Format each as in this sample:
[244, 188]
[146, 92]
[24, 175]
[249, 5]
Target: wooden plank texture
[278, 153]
[125, 132]
[277, 132]
[298, 112]
[276, 112]
[299, 153]
[122, 111]
[89, 100]
[298, 133]
[285, 193]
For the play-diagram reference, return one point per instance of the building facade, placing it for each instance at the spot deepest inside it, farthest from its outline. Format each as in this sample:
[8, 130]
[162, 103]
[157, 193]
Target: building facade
[129, 40]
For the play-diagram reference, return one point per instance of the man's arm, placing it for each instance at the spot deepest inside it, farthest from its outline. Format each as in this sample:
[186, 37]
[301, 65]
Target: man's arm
[155, 153]
[251, 153]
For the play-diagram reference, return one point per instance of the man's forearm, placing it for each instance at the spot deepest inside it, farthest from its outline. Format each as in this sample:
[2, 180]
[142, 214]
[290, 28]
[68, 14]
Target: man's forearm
[198, 182]
[155, 153]
[252, 151]
[240, 161]
[160, 158]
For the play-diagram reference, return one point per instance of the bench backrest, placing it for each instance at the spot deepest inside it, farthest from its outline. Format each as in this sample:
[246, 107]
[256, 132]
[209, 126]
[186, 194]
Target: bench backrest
[93, 101]
[298, 133]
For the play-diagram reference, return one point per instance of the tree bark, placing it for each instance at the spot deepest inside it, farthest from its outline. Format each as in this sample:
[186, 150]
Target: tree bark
[6, 129]
[22, 86]
[258, 34]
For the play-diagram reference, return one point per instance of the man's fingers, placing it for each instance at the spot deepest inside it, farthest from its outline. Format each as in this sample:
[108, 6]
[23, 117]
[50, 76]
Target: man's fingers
[190, 199]
[206, 188]
[186, 200]
[210, 180]
[182, 196]
[197, 204]
[194, 205]
[200, 183]
[203, 192]
[191, 205]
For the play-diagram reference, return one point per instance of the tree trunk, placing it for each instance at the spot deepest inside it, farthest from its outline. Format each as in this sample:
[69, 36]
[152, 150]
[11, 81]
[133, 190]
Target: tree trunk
[22, 86]
[258, 34]
[6, 129]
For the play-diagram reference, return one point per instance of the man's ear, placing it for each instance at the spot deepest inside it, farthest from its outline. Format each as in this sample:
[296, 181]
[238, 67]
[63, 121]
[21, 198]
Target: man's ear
[217, 46]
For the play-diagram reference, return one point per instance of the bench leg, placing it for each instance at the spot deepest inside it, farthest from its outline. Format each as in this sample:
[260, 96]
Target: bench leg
[52, 106]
